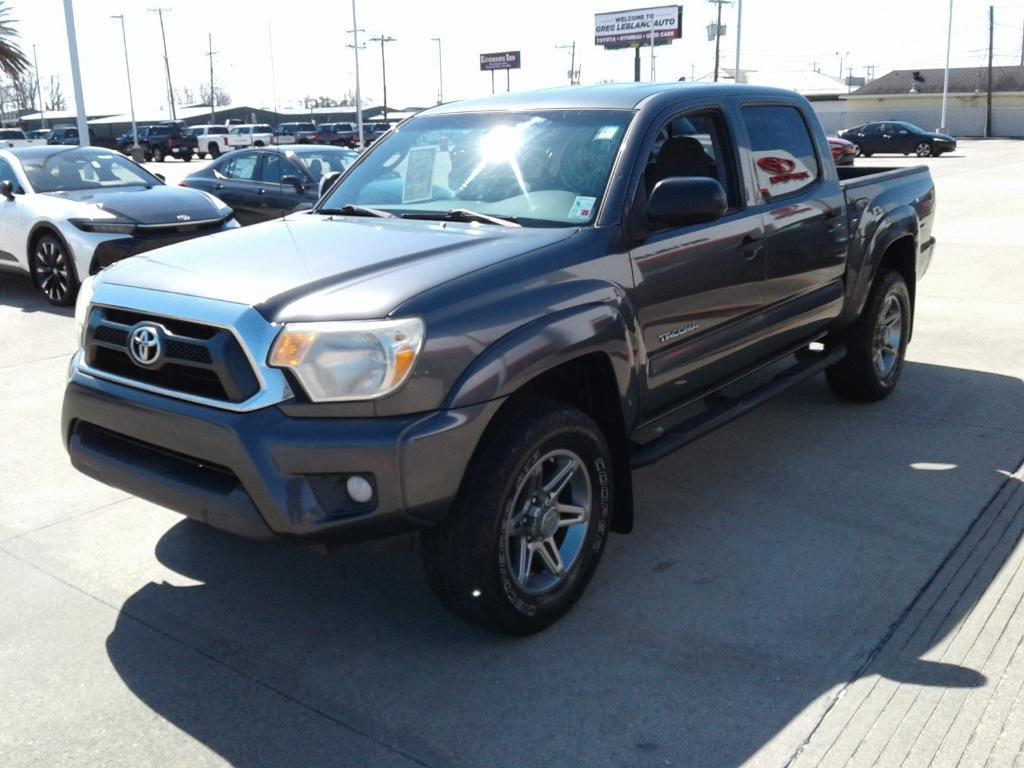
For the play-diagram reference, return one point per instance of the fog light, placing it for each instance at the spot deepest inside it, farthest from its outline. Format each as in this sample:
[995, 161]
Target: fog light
[359, 489]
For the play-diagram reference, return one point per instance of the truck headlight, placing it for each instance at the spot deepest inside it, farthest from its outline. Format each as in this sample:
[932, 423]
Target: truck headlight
[351, 360]
[82, 309]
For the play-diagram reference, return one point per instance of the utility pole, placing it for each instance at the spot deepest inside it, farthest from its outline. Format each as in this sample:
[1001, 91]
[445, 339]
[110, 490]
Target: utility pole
[945, 76]
[382, 38]
[39, 87]
[440, 72]
[211, 53]
[167, 62]
[76, 75]
[355, 48]
[718, 31]
[273, 73]
[573, 75]
[988, 107]
[739, 30]
[128, 71]
[652, 53]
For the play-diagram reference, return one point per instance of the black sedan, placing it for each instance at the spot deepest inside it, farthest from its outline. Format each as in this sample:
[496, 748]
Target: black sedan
[270, 182]
[897, 138]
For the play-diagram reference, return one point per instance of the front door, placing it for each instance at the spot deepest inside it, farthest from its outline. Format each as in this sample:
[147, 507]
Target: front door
[238, 186]
[699, 287]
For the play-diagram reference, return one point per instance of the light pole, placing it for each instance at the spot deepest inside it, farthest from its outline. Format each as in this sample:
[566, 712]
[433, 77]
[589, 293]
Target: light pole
[39, 87]
[211, 53]
[842, 58]
[440, 72]
[128, 71]
[382, 38]
[167, 62]
[945, 78]
[355, 48]
[739, 30]
[76, 75]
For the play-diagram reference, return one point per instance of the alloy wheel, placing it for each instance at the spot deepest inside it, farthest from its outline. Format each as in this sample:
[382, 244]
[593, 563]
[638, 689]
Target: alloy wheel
[885, 350]
[547, 520]
[923, 149]
[53, 272]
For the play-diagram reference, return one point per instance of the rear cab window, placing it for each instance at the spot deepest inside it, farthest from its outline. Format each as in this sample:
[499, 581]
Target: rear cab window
[785, 160]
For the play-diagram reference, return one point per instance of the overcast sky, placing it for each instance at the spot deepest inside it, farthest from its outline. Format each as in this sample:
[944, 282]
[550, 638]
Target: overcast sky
[309, 40]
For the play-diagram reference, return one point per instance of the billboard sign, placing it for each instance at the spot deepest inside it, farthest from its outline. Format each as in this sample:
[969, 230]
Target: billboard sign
[624, 28]
[505, 60]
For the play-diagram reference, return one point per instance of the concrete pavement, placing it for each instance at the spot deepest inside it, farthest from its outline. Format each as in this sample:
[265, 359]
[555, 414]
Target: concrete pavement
[772, 575]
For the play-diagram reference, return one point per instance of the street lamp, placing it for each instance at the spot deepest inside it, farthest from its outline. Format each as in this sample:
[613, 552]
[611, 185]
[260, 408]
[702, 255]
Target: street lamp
[440, 72]
[355, 48]
[39, 87]
[167, 62]
[131, 101]
[76, 75]
[383, 69]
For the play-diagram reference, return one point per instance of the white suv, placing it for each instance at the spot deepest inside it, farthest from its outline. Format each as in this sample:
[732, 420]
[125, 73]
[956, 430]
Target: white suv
[251, 135]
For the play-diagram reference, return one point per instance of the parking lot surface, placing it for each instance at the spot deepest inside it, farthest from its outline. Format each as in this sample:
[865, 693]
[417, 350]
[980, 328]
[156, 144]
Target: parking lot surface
[768, 603]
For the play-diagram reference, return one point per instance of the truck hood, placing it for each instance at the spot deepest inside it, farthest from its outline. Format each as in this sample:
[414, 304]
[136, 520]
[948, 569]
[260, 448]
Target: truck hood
[313, 267]
[145, 205]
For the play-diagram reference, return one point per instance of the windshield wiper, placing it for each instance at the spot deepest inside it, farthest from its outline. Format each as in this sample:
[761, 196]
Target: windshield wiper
[464, 214]
[356, 210]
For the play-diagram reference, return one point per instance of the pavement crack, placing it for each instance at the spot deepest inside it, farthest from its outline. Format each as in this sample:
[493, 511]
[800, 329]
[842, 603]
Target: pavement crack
[67, 519]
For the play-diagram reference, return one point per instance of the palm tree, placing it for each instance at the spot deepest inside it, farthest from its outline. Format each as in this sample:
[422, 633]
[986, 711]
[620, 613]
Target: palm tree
[13, 61]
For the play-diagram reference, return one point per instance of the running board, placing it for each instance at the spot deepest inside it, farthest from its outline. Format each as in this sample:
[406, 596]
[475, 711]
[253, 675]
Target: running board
[723, 409]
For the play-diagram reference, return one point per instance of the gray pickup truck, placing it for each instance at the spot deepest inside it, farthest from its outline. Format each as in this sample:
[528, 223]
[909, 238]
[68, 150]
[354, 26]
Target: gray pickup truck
[501, 309]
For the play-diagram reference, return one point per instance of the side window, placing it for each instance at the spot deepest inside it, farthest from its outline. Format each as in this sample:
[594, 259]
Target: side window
[7, 174]
[242, 167]
[270, 170]
[784, 157]
[693, 145]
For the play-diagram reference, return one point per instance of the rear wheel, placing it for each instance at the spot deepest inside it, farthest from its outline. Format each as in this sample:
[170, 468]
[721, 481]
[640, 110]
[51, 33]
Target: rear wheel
[214, 151]
[876, 344]
[924, 149]
[53, 270]
[158, 155]
[527, 532]
[857, 150]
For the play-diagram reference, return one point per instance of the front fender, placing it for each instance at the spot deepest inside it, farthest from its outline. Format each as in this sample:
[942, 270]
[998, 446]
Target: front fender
[547, 342]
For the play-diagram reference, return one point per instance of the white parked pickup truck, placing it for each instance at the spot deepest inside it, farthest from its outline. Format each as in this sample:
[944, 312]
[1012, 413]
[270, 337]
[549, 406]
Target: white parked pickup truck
[15, 137]
[251, 135]
[210, 140]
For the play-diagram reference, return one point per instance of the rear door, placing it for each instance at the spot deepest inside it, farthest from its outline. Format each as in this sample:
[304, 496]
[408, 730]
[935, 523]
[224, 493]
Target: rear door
[699, 287]
[804, 222]
[873, 141]
[238, 184]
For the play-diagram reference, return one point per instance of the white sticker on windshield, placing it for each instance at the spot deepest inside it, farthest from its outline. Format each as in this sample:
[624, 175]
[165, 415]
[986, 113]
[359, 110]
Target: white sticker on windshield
[582, 207]
[606, 133]
[419, 175]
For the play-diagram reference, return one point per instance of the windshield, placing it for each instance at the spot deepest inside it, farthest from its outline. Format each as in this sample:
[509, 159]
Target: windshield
[545, 168]
[78, 169]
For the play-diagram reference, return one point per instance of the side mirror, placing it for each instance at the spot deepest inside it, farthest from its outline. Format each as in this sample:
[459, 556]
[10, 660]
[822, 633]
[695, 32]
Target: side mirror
[682, 201]
[295, 182]
[327, 181]
[7, 189]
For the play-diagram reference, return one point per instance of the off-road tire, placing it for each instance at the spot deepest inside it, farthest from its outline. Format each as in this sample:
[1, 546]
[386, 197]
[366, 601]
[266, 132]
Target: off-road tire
[465, 556]
[857, 376]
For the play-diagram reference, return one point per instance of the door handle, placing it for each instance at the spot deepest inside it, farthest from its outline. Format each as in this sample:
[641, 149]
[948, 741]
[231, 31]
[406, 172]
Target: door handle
[261, 191]
[749, 248]
[218, 186]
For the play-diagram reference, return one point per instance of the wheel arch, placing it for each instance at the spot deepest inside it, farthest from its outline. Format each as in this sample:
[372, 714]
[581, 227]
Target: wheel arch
[582, 357]
[38, 230]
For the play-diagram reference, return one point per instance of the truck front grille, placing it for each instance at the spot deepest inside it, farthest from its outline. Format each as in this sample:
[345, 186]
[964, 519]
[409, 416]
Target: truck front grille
[193, 358]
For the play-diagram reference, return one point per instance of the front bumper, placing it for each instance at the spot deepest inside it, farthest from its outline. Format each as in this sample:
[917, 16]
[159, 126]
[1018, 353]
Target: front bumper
[263, 474]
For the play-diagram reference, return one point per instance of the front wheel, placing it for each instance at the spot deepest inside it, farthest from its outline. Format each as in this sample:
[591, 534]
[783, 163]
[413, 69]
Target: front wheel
[924, 149]
[529, 527]
[53, 271]
[158, 155]
[876, 344]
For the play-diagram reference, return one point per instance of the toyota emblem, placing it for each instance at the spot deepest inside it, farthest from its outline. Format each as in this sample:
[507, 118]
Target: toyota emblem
[184, 217]
[145, 345]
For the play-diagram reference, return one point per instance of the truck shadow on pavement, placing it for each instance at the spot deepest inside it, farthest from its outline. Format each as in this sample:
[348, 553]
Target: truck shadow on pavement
[770, 562]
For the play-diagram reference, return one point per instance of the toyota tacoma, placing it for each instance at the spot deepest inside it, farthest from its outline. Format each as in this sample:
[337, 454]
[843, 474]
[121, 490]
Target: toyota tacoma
[490, 319]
